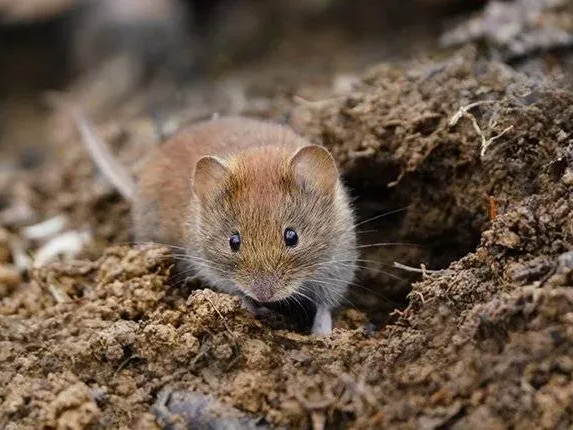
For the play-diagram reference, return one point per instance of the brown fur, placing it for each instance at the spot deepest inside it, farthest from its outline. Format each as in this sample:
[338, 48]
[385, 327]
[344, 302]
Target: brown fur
[257, 180]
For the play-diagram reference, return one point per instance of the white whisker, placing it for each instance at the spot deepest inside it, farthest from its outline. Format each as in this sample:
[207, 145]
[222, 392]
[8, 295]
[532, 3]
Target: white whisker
[298, 302]
[376, 293]
[383, 215]
[372, 245]
[334, 292]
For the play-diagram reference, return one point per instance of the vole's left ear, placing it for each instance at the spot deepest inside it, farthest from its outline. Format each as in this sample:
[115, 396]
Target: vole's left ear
[314, 167]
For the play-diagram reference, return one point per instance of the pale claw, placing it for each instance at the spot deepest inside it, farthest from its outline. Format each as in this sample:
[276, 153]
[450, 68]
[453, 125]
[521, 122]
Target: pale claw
[248, 306]
[322, 325]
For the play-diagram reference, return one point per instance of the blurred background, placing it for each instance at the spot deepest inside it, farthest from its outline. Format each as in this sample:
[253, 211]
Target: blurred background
[50, 44]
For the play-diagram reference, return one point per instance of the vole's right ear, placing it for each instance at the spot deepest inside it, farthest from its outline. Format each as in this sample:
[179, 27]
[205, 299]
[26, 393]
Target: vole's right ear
[314, 166]
[209, 176]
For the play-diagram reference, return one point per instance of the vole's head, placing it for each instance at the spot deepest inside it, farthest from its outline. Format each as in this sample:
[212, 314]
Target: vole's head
[273, 222]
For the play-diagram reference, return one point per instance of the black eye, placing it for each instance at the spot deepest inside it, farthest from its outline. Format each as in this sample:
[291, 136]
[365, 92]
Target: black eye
[291, 238]
[235, 242]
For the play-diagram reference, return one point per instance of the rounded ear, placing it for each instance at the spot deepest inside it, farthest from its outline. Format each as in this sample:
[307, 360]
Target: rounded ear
[209, 176]
[314, 167]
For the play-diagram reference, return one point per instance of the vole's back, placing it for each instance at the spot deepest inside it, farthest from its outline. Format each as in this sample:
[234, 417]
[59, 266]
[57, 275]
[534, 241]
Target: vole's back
[164, 203]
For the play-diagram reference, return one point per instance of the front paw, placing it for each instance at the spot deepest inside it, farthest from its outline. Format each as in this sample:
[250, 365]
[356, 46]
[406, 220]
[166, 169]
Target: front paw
[253, 309]
[322, 325]
[249, 306]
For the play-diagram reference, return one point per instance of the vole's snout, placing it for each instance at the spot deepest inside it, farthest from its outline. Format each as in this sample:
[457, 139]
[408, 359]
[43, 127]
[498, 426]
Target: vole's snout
[264, 287]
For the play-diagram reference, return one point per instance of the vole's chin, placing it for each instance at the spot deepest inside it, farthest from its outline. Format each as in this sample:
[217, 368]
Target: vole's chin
[284, 293]
[273, 296]
[248, 293]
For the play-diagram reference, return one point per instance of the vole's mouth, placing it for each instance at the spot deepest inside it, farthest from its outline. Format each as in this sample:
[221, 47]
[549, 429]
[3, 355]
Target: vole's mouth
[273, 298]
[265, 291]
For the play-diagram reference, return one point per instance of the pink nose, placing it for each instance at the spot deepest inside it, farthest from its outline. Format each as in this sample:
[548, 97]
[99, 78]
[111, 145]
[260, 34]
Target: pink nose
[262, 288]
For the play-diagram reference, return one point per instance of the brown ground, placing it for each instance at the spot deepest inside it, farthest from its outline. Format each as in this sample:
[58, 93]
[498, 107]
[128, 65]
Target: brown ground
[483, 340]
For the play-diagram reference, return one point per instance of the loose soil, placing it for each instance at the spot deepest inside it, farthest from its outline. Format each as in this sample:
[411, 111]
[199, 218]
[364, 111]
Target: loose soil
[478, 333]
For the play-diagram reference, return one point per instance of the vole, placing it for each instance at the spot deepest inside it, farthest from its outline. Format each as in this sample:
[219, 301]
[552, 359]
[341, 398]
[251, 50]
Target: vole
[260, 212]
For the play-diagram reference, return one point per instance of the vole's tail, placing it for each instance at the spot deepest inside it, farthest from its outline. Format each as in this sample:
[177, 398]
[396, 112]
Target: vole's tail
[115, 173]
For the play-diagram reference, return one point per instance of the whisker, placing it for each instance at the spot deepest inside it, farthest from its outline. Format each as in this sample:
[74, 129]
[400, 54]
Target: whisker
[390, 244]
[298, 302]
[305, 287]
[349, 260]
[306, 297]
[201, 264]
[383, 272]
[187, 258]
[192, 258]
[383, 215]
[178, 283]
[184, 257]
[325, 263]
[375, 269]
[142, 242]
[370, 290]
[334, 292]
[354, 263]
[181, 276]
[334, 280]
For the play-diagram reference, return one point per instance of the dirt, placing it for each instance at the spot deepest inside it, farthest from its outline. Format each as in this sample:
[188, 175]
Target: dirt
[476, 332]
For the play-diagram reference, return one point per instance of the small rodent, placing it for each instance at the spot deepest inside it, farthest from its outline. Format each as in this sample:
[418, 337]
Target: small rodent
[259, 211]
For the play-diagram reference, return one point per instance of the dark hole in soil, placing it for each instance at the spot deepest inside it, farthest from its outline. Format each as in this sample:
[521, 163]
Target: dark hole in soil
[131, 316]
[385, 237]
[294, 315]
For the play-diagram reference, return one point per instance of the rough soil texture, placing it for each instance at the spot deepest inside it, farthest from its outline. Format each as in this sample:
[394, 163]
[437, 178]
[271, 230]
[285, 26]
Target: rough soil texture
[483, 340]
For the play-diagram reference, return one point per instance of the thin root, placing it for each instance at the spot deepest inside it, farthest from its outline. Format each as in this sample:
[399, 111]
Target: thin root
[55, 290]
[486, 144]
[421, 270]
[464, 112]
[397, 312]
[302, 101]
[420, 295]
[125, 362]
[222, 318]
